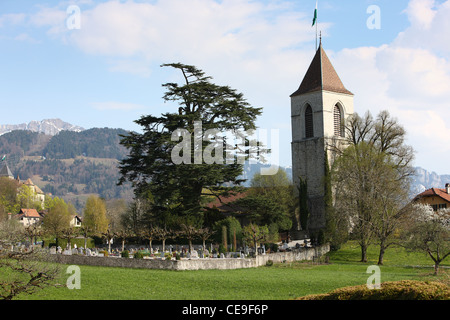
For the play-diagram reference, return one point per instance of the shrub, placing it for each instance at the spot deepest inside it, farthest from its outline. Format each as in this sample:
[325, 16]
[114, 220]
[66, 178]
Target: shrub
[269, 263]
[394, 290]
[125, 254]
[177, 256]
[274, 247]
[169, 257]
[222, 249]
[138, 255]
[105, 253]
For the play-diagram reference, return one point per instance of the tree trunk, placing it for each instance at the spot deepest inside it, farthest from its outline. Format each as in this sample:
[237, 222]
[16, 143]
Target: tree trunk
[436, 261]
[380, 257]
[436, 268]
[363, 253]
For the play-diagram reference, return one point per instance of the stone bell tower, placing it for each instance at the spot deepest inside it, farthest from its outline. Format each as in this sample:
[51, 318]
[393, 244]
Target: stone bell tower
[319, 109]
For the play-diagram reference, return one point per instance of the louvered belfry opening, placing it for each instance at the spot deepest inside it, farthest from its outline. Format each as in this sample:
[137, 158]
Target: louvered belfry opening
[337, 121]
[309, 125]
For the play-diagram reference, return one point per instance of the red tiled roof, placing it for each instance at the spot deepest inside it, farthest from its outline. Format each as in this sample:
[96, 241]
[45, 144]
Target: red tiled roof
[321, 75]
[30, 213]
[434, 192]
[225, 203]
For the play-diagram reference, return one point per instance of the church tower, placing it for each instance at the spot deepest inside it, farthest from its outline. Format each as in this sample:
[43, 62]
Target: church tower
[5, 172]
[319, 109]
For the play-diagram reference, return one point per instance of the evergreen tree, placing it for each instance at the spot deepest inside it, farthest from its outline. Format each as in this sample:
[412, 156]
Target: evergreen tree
[178, 188]
[303, 203]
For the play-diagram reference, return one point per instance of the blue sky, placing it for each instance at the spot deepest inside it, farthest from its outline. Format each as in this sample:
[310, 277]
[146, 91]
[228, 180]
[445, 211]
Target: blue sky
[107, 73]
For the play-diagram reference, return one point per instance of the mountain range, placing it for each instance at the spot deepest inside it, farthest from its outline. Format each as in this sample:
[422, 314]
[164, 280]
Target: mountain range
[49, 127]
[424, 180]
[71, 162]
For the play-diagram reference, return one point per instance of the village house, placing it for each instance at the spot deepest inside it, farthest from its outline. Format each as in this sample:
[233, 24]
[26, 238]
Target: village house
[75, 221]
[435, 197]
[27, 217]
[38, 193]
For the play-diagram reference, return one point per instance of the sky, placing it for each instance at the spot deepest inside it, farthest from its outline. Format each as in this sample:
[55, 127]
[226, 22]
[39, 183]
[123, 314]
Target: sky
[98, 63]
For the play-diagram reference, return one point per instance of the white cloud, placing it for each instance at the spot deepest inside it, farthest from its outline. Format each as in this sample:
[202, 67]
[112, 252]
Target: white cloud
[410, 80]
[421, 13]
[26, 38]
[231, 31]
[12, 19]
[430, 26]
[264, 49]
[54, 18]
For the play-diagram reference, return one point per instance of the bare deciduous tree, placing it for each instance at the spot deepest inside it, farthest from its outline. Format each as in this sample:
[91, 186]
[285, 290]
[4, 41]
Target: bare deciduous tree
[163, 234]
[23, 271]
[429, 232]
[371, 178]
[205, 234]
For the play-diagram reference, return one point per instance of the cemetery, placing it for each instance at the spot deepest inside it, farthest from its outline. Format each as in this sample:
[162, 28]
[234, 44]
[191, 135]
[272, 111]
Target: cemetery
[179, 258]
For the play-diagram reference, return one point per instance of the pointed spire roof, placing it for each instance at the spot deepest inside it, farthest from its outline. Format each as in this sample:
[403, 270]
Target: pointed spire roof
[5, 172]
[321, 75]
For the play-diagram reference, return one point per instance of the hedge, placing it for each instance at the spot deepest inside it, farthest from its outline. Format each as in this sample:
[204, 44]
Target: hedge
[394, 290]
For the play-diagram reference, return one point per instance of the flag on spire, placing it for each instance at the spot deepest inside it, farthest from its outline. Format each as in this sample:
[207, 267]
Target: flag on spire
[4, 157]
[315, 16]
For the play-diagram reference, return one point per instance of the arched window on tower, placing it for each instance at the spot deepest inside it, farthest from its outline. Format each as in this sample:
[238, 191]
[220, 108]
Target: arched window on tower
[309, 124]
[338, 127]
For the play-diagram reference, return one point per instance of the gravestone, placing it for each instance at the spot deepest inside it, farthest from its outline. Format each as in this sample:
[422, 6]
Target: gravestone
[194, 254]
[222, 256]
[53, 250]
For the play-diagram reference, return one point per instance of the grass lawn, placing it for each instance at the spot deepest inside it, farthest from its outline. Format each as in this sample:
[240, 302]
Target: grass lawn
[278, 282]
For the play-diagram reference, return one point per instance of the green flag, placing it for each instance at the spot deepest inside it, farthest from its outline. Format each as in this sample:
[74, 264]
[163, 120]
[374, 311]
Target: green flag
[315, 16]
[4, 157]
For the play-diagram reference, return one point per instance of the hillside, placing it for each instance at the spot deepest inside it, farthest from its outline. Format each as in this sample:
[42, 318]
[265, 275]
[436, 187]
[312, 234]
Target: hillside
[70, 164]
[75, 164]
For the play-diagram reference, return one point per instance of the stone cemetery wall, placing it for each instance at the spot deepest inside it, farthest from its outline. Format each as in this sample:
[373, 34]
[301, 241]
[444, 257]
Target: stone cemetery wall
[192, 264]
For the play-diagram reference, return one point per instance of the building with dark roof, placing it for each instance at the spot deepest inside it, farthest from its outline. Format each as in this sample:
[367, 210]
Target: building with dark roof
[5, 172]
[319, 109]
[435, 197]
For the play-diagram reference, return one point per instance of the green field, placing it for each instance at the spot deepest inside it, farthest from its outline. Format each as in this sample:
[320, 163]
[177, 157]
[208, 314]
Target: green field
[277, 282]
